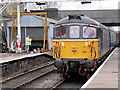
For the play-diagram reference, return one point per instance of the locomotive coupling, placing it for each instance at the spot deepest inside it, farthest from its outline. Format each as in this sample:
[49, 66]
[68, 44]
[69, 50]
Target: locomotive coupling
[58, 63]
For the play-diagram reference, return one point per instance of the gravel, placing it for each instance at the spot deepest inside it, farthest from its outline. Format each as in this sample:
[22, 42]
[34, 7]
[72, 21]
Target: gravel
[46, 81]
[15, 82]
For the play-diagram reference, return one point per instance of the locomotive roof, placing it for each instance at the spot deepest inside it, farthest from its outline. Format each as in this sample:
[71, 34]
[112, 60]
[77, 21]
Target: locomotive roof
[80, 19]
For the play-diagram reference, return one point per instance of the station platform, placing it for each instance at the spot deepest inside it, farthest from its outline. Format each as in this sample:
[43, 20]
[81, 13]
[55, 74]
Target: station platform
[7, 57]
[106, 76]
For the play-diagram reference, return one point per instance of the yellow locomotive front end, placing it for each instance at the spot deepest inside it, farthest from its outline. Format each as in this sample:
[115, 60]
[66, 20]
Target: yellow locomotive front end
[75, 47]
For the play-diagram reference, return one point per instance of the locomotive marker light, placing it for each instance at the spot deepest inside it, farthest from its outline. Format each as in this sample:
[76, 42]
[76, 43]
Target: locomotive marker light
[62, 43]
[86, 43]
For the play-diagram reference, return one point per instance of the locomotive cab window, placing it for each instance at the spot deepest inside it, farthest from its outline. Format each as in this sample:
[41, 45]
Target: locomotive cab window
[60, 32]
[89, 32]
[74, 31]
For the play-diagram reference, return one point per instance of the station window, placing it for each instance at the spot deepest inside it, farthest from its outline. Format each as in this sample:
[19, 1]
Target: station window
[89, 32]
[60, 32]
[74, 31]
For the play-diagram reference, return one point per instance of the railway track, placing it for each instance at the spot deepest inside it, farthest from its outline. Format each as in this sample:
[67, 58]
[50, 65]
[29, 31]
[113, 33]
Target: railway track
[53, 82]
[47, 81]
[74, 82]
[32, 80]
[27, 77]
[57, 85]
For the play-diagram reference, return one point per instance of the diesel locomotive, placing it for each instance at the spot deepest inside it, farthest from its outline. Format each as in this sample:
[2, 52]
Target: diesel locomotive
[79, 43]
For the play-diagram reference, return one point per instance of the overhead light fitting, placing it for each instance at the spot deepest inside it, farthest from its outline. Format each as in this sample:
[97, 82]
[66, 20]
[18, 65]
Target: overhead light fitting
[38, 3]
[86, 2]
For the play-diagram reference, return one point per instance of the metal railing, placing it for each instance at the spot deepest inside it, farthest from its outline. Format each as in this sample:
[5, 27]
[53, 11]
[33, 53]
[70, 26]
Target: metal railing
[3, 8]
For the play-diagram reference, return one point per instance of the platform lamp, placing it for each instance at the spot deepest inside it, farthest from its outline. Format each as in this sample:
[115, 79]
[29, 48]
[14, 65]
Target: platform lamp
[86, 2]
[40, 3]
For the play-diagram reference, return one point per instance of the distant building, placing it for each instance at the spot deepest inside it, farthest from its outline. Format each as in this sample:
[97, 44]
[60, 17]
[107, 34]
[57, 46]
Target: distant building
[33, 26]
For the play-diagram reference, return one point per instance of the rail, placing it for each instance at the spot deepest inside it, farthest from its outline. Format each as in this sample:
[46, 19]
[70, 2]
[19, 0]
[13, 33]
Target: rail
[23, 75]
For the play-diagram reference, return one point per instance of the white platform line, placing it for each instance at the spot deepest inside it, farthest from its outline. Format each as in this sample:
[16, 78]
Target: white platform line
[92, 77]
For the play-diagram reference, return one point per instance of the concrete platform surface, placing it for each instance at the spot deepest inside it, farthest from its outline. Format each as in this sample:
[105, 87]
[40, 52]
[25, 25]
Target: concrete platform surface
[6, 57]
[106, 75]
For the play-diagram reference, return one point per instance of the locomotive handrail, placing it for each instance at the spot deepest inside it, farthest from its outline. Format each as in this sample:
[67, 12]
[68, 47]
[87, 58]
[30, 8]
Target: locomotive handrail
[92, 45]
[57, 50]
[95, 52]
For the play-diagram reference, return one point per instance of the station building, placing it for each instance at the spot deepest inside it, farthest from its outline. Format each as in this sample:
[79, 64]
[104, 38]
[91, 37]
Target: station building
[32, 25]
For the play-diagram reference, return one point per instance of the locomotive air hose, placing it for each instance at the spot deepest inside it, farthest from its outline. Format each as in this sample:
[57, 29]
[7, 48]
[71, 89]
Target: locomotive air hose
[91, 51]
[95, 52]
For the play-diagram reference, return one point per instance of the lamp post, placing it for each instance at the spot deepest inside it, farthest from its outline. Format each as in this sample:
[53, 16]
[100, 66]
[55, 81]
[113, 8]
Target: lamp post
[19, 29]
